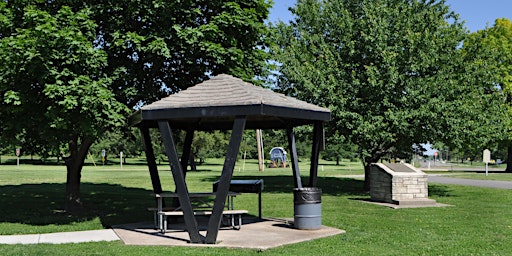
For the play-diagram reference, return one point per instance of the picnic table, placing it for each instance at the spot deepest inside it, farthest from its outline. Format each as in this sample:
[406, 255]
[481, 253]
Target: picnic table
[203, 208]
[245, 186]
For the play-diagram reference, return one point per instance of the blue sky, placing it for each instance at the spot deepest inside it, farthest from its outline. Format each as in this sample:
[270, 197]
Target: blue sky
[477, 14]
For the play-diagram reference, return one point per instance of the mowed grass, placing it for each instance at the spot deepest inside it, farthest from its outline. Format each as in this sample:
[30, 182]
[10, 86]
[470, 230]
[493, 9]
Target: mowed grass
[477, 222]
[480, 175]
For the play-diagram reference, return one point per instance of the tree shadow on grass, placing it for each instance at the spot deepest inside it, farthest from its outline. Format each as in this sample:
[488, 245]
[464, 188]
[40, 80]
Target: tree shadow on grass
[42, 204]
[439, 190]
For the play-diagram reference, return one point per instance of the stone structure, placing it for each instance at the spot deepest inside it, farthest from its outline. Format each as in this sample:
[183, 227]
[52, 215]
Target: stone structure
[400, 184]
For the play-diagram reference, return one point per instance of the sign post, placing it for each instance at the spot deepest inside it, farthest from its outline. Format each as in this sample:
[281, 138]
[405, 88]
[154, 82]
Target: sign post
[18, 153]
[103, 155]
[486, 159]
[121, 158]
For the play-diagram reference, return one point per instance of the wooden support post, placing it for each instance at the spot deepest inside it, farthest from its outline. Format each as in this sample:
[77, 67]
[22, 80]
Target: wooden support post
[225, 180]
[150, 158]
[318, 132]
[187, 148]
[295, 159]
[179, 180]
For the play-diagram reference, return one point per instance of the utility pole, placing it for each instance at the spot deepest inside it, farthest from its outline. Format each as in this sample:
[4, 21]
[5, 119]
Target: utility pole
[259, 140]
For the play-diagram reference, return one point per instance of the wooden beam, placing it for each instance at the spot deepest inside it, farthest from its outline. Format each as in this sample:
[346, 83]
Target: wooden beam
[295, 159]
[179, 180]
[187, 148]
[225, 180]
[150, 158]
[318, 131]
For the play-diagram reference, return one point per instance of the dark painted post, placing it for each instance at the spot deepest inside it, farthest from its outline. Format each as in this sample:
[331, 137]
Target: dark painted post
[225, 180]
[150, 158]
[179, 180]
[295, 160]
[187, 147]
[318, 131]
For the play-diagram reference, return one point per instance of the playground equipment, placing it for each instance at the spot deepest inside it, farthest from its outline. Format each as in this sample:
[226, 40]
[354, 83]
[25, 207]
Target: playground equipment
[277, 158]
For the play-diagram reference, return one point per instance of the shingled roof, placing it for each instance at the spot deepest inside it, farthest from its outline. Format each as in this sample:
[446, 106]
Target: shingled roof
[214, 103]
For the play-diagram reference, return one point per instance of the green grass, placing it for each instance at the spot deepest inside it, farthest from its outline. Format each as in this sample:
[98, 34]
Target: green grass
[477, 223]
[481, 175]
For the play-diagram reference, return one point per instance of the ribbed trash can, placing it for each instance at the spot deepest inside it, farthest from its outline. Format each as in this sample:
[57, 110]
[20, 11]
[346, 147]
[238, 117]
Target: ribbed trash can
[307, 208]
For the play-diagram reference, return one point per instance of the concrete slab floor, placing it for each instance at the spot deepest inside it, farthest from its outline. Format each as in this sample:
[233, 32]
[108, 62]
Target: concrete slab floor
[255, 233]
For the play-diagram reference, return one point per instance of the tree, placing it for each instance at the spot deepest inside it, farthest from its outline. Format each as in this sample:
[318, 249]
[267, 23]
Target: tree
[115, 142]
[52, 87]
[494, 45]
[70, 74]
[207, 145]
[335, 151]
[391, 71]
[166, 46]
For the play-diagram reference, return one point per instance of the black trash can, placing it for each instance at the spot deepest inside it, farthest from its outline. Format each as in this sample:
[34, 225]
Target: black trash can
[307, 208]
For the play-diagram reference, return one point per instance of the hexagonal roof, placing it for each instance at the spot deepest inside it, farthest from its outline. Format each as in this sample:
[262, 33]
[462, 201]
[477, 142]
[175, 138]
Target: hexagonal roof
[213, 105]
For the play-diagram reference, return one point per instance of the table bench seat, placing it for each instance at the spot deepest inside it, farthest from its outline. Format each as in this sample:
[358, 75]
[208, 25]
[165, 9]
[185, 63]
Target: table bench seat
[231, 213]
[155, 213]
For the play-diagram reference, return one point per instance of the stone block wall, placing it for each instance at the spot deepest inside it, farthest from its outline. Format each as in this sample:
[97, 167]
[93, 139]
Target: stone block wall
[392, 183]
[380, 185]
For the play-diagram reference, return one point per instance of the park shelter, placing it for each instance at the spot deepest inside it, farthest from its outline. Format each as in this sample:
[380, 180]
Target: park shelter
[224, 102]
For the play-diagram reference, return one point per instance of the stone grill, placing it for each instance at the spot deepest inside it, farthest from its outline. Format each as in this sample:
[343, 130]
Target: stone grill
[400, 184]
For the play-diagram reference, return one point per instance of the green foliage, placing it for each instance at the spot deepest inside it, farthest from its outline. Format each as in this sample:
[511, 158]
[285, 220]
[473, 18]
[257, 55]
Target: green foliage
[52, 83]
[391, 71]
[166, 46]
[490, 53]
[498, 39]
[73, 70]
[119, 52]
[210, 144]
[248, 147]
[335, 151]
[129, 52]
[129, 142]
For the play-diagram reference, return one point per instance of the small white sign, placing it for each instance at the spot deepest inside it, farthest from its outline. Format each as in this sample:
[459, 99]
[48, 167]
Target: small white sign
[487, 156]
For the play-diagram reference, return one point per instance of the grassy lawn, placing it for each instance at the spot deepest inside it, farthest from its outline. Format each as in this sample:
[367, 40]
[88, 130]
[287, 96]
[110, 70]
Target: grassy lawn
[474, 170]
[477, 223]
[481, 176]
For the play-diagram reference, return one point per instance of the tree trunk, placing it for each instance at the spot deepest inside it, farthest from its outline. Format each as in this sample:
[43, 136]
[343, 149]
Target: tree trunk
[509, 159]
[192, 163]
[367, 176]
[74, 163]
[367, 162]
[73, 202]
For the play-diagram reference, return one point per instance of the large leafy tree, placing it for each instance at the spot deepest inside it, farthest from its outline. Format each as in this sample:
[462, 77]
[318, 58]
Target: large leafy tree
[72, 70]
[494, 45]
[391, 71]
[166, 46]
[52, 87]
